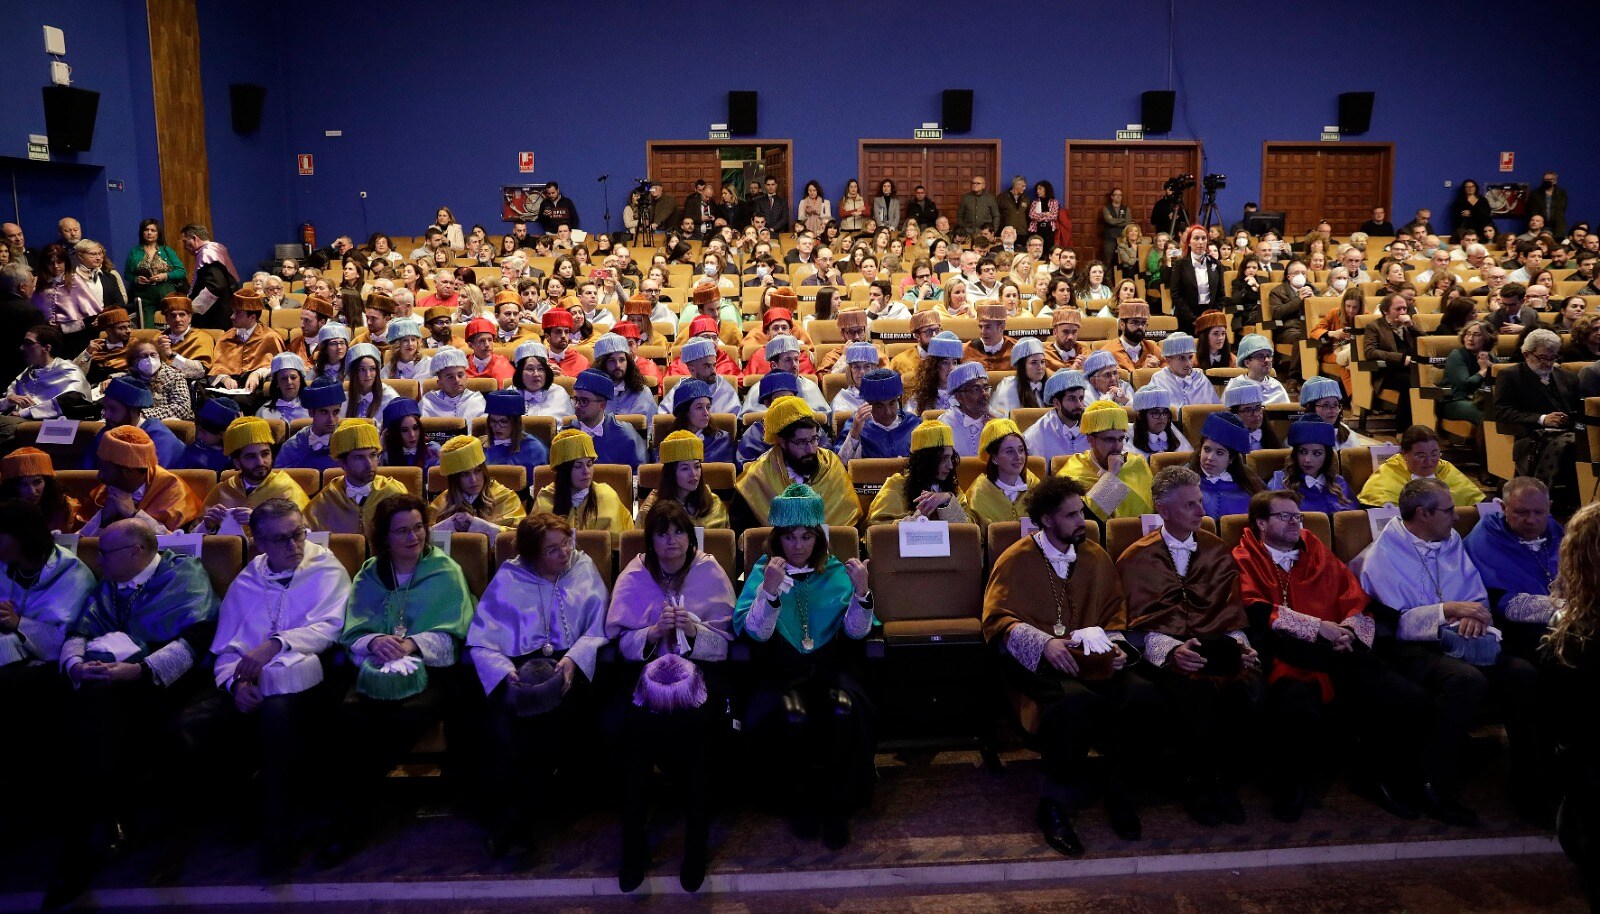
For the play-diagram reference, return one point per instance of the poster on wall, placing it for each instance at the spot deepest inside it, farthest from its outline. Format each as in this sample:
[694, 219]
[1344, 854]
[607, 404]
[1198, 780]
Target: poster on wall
[520, 202]
[1508, 199]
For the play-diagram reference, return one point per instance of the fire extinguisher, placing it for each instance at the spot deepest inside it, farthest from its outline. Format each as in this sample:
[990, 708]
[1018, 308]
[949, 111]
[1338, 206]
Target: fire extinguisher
[308, 236]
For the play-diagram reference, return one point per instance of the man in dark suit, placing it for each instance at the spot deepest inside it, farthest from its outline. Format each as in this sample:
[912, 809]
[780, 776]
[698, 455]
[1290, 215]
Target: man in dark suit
[1537, 402]
[773, 206]
[215, 279]
[925, 211]
[697, 206]
[1392, 340]
[17, 315]
[1287, 303]
[1196, 284]
[664, 211]
[1550, 201]
[1379, 225]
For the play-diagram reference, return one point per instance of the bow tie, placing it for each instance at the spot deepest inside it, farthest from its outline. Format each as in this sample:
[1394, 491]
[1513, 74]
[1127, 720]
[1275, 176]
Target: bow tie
[1221, 477]
[1534, 545]
[319, 442]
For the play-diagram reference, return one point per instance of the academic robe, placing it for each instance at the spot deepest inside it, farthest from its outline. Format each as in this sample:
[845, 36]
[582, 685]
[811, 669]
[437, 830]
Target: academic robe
[569, 361]
[170, 618]
[233, 358]
[1394, 573]
[638, 598]
[715, 518]
[1055, 360]
[466, 406]
[304, 613]
[877, 441]
[333, 510]
[724, 398]
[169, 447]
[999, 360]
[198, 456]
[634, 403]
[1169, 442]
[497, 367]
[1170, 609]
[1223, 496]
[166, 499]
[434, 608]
[609, 513]
[767, 477]
[192, 355]
[1318, 588]
[45, 385]
[1147, 349]
[554, 402]
[826, 598]
[890, 505]
[1195, 388]
[530, 454]
[1007, 397]
[230, 492]
[614, 442]
[502, 510]
[45, 609]
[986, 504]
[1126, 494]
[1050, 437]
[1384, 485]
[524, 613]
[300, 451]
[753, 443]
[1316, 497]
[1517, 578]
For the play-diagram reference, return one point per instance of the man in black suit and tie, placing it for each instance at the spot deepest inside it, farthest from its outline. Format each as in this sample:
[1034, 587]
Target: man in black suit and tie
[772, 205]
[1392, 340]
[1537, 402]
[1196, 281]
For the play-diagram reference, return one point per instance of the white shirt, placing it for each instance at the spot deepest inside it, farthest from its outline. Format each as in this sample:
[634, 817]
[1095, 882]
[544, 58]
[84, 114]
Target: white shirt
[1283, 559]
[1060, 562]
[1202, 280]
[1182, 551]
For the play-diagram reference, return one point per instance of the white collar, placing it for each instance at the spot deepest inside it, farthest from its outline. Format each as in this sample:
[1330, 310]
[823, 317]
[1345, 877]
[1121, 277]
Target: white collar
[1421, 544]
[180, 337]
[1533, 545]
[356, 491]
[482, 363]
[500, 442]
[1224, 476]
[991, 350]
[1173, 545]
[318, 442]
[1061, 561]
[140, 579]
[964, 420]
[1314, 482]
[1255, 436]
[1012, 491]
[579, 496]
[595, 431]
[1283, 559]
[244, 333]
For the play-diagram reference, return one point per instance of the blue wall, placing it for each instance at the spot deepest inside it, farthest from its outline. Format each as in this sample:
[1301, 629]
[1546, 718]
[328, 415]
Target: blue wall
[108, 47]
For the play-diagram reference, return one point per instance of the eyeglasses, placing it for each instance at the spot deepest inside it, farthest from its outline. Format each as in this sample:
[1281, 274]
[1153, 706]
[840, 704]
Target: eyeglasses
[1288, 517]
[586, 401]
[1250, 410]
[296, 536]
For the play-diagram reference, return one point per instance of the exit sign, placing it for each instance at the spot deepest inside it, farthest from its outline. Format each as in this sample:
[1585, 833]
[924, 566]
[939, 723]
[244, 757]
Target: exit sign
[928, 133]
[720, 135]
[1130, 134]
[1330, 136]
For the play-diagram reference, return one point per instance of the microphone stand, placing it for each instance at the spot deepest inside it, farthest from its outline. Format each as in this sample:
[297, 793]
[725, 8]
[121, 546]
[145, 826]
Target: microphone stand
[605, 190]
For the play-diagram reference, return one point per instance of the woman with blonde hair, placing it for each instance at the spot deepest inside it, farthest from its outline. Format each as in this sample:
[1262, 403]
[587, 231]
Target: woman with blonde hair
[1335, 337]
[955, 302]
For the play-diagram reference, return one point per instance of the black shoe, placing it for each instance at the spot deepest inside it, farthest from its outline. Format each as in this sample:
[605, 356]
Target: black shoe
[1228, 806]
[835, 831]
[1387, 795]
[1202, 808]
[635, 858]
[1440, 805]
[692, 874]
[1124, 819]
[1057, 828]
[1289, 804]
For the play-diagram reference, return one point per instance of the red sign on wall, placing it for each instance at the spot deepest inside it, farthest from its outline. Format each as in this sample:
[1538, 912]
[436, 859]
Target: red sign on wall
[525, 162]
[1508, 161]
[305, 163]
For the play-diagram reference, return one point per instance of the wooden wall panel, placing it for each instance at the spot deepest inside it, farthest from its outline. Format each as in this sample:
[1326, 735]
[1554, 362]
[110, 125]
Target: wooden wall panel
[180, 119]
[1339, 182]
[1095, 167]
[944, 168]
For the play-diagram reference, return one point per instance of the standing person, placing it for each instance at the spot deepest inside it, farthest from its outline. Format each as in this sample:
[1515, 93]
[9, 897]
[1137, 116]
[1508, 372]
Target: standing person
[1550, 202]
[1043, 213]
[1114, 218]
[1196, 281]
[153, 271]
[215, 279]
[978, 208]
[1013, 206]
[852, 208]
[18, 314]
[886, 207]
[814, 211]
[67, 304]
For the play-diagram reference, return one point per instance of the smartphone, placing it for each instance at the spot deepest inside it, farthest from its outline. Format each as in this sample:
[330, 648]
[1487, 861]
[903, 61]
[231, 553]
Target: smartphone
[600, 274]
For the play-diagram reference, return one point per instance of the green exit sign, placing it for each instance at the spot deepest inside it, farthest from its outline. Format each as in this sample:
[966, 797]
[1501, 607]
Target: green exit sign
[720, 135]
[928, 133]
[1130, 135]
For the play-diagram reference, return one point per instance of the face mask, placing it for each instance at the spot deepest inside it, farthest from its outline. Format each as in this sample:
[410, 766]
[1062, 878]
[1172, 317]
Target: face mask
[710, 269]
[147, 366]
[1298, 280]
[1339, 284]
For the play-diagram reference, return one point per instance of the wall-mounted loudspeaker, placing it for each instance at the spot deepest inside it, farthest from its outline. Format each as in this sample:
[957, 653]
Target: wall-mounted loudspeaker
[247, 100]
[1155, 110]
[1355, 112]
[69, 117]
[742, 113]
[955, 114]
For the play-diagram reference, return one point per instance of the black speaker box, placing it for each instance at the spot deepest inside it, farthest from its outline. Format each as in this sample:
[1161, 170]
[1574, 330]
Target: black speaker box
[247, 100]
[1155, 110]
[742, 118]
[955, 114]
[69, 117]
[1355, 112]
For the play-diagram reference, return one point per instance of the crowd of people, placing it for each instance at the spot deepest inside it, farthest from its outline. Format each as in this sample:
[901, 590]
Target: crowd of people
[1385, 662]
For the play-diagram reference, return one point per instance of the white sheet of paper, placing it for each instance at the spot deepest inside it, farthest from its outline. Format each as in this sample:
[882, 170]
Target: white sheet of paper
[229, 527]
[1490, 506]
[1382, 452]
[700, 538]
[441, 540]
[320, 537]
[204, 301]
[1149, 523]
[924, 539]
[186, 543]
[68, 541]
[57, 431]
[230, 391]
[1378, 518]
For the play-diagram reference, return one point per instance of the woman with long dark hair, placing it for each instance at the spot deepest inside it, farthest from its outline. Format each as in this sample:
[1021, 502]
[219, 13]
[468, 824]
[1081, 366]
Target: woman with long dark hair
[365, 393]
[683, 481]
[1226, 481]
[473, 501]
[575, 494]
[1313, 469]
[403, 444]
[691, 410]
[1043, 212]
[927, 488]
[153, 271]
[27, 474]
[999, 494]
[1469, 210]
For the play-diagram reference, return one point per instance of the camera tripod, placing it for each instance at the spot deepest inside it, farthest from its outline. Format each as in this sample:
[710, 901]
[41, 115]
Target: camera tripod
[1209, 215]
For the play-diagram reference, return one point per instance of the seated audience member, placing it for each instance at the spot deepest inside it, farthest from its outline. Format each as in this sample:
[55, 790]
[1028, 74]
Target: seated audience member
[852, 329]
[1511, 311]
[1322, 398]
[752, 444]
[107, 355]
[365, 393]
[315, 313]
[1392, 340]
[698, 359]
[1226, 481]
[632, 396]
[124, 404]
[692, 413]
[27, 474]
[187, 350]
[48, 386]
[559, 352]
[533, 645]
[1243, 398]
[1419, 457]
[1105, 379]
[1335, 334]
[859, 359]
[1433, 596]
[795, 450]
[328, 362]
[287, 378]
[1182, 586]
[42, 587]
[1025, 389]
[472, 501]
[683, 481]
[1063, 351]
[925, 325]
[1187, 384]
[992, 348]
[969, 410]
[239, 357]
[1287, 306]
[408, 611]
[1129, 347]
[999, 493]
[131, 656]
[1468, 382]
[1059, 433]
[279, 616]
[930, 383]
[1312, 472]
[482, 360]
[506, 442]
[452, 398]
[1211, 342]
[439, 321]
[308, 447]
[248, 442]
[1537, 402]
[575, 495]
[348, 504]
[404, 359]
[783, 353]
[132, 485]
[808, 714]
[541, 395]
[401, 433]
[1068, 656]
[776, 322]
[927, 488]
[1307, 609]
[1154, 423]
[211, 422]
[705, 328]
[1517, 553]
[613, 441]
[881, 427]
[1116, 483]
[1255, 357]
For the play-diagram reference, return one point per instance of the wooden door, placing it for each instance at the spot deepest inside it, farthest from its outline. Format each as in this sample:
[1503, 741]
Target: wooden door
[775, 160]
[1095, 167]
[677, 164]
[943, 167]
[1339, 182]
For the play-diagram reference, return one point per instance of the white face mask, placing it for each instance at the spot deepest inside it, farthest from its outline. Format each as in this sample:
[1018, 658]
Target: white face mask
[1340, 283]
[147, 366]
[1298, 280]
[710, 269]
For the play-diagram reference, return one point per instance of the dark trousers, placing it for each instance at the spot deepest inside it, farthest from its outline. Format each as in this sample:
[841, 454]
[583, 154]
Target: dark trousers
[122, 735]
[1118, 715]
[1385, 711]
[1213, 720]
[522, 754]
[35, 697]
[375, 734]
[684, 744]
[1457, 690]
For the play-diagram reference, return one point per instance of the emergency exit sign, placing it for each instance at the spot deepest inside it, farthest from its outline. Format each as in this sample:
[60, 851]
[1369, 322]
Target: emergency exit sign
[928, 133]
